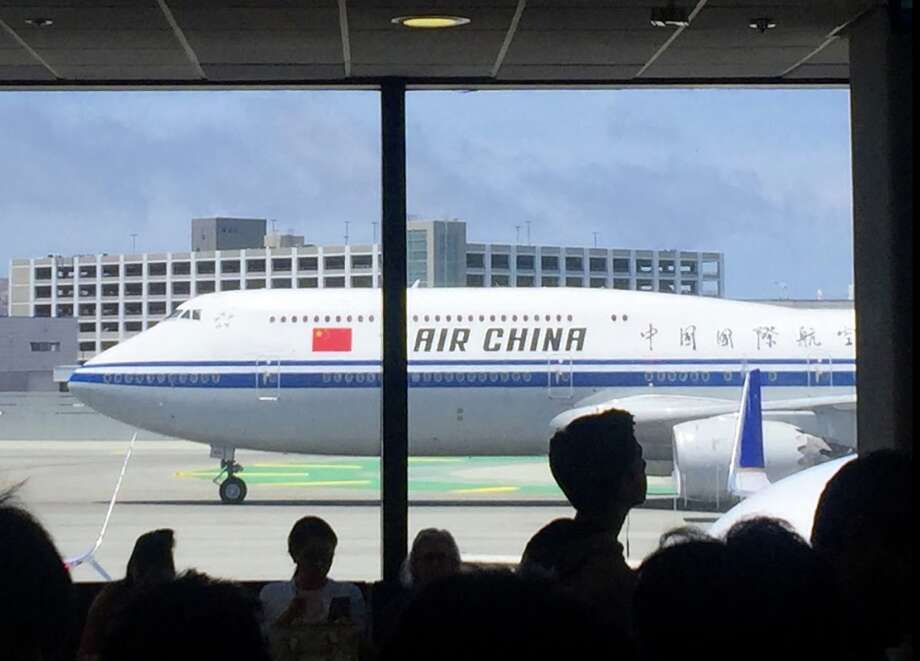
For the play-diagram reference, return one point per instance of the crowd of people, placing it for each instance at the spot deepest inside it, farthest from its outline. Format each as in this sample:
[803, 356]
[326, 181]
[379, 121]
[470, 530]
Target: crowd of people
[761, 592]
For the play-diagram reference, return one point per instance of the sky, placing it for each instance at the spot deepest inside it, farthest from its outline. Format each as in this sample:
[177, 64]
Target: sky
[761, 175]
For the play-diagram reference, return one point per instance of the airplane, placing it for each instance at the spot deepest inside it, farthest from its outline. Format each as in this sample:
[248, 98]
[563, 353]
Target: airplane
[491, 372]
[793, 499]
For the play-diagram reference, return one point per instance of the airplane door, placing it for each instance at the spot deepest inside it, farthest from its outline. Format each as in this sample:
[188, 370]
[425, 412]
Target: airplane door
[559, 378]
[268, 380]
[820, 371]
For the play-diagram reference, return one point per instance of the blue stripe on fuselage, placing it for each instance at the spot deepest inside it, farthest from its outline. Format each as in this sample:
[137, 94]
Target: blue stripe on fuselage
[467, 379]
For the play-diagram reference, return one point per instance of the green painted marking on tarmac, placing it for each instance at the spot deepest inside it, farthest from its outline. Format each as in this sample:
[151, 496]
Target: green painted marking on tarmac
[427, 475]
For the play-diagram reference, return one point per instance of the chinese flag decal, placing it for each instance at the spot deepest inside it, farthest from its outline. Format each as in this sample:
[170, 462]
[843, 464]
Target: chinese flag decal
[331, 339]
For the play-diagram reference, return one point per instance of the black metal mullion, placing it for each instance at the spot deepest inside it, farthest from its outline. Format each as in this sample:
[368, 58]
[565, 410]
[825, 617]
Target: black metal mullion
[394, 464]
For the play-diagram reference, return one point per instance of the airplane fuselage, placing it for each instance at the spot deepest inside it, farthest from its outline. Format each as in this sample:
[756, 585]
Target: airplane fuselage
[299, 371]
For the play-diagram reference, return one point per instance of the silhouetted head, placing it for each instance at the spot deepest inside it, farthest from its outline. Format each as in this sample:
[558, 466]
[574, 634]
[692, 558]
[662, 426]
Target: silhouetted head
[35, 589]
[151, 560]
[863, 527]
[191, 617]
[434, 555]
[496, 615]
[598, 464]
[779, 584]
[311, 544]
[687, 579]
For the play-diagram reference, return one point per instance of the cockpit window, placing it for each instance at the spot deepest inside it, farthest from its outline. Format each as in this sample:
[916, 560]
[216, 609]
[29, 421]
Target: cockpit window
[194, 315]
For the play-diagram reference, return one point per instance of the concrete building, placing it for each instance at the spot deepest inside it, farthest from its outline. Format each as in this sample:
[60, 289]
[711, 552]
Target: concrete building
[31, 349]
[671, 271]
[210, 234]
[278, 240]
[4, 296]
[436, 253]
[114, 297]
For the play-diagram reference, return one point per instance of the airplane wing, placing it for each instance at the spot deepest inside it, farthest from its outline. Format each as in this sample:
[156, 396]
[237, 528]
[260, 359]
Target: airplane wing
[697, 439]
[89, 557]
[657, 409]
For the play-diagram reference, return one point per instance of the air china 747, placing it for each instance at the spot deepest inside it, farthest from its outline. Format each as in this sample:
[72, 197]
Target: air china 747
[491, 372]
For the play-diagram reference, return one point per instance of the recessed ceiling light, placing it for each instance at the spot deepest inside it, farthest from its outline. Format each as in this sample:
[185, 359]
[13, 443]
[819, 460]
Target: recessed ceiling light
[431, 22]
[40, 22]
[670, 17]
[762, 24]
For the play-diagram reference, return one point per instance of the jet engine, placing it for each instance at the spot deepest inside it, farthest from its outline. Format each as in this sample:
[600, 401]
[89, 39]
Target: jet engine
[703, 454]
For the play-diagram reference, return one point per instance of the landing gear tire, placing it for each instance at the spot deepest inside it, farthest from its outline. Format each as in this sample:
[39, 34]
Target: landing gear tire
[232, 491]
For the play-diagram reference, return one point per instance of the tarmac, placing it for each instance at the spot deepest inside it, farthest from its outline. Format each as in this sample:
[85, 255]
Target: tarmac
[491, 505]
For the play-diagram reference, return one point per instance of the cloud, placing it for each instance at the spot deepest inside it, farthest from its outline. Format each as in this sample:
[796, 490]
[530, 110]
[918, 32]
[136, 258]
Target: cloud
[764, 177]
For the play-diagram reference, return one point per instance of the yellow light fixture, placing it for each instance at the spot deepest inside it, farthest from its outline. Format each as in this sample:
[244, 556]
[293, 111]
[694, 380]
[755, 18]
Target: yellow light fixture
[431, 22]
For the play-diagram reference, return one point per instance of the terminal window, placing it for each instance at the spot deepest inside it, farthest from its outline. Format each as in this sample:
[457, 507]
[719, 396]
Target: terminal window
[598, 265]
[525, 262]
[549, 263]
[334, 263]
[501, 261]
[574, 264]
[45, 346]
[361, 262]
[307, 263]
[363, 281]
[475, 260]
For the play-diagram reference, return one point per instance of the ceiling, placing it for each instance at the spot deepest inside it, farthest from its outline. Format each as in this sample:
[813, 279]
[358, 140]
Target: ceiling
[353, 42]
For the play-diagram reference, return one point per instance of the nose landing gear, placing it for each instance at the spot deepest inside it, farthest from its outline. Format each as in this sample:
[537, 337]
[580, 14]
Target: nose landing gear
[232, 489]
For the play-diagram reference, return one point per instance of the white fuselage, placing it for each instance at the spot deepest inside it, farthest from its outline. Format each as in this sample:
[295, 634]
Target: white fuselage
[299, 370]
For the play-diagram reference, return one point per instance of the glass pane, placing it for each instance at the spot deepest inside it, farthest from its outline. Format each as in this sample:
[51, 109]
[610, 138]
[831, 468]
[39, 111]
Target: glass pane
[195, 205]
[616, 227]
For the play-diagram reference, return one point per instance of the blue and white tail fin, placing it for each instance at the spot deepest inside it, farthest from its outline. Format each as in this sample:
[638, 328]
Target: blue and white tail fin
[90, 556]
[747, 473]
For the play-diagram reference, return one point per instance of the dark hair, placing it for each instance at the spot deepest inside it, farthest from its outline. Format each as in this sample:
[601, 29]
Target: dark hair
[591, 456]
[781, 584]
[37, 603]
[191, 617]
[763, 593]
[864, 527]
[310, 527]
[484, 614]
[872, 497]
[152, 554]
[686, 577]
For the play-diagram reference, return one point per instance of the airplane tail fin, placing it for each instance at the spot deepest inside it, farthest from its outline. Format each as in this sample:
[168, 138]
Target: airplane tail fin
[90, 556]
[747, 473]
